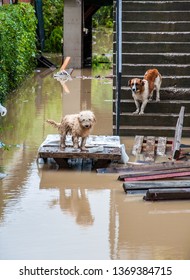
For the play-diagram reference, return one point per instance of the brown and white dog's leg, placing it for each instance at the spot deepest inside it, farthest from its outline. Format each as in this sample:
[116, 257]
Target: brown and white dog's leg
[143, 106]
[137, 107]
[157, 83]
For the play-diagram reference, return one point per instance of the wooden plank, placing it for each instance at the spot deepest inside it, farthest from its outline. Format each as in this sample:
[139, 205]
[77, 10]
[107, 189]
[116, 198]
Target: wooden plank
[137, 147]
[178, 134]
[161, 146]
[167, 194]
[158, 176]
[136, 169]
[65, 63]
[150, 149]
[157, 172]
[141, 185]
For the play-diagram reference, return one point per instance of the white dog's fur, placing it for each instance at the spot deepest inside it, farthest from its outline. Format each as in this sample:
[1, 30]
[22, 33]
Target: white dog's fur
[78, 125]
[142, 90]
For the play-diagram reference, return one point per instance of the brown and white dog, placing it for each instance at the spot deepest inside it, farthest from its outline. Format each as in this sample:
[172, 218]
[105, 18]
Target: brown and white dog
[142, 89]
[78, 125]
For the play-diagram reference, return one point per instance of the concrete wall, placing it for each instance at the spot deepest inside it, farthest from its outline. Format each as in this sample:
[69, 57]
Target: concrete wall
[73, 32]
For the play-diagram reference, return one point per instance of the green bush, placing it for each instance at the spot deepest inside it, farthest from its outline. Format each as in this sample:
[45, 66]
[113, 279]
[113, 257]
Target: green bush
[53, 24]
[104, 17]
[100, 62]
[17, 45]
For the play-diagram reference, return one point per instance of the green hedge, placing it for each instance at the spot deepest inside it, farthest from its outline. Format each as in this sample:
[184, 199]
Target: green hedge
[18, 25]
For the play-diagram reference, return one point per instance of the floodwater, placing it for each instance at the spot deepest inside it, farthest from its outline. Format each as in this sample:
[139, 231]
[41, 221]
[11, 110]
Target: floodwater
[46, 213]
[50, 213]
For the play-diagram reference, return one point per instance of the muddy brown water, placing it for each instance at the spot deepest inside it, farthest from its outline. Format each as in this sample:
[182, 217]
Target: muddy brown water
[48, 213]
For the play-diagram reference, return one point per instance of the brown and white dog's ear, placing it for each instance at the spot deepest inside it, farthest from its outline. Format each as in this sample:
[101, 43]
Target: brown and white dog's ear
[142, 82]
[129, 83]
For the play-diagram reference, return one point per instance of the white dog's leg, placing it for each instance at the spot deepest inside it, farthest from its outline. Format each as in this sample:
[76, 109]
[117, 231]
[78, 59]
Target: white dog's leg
[62, 141]
[83, 143]
[75, 142]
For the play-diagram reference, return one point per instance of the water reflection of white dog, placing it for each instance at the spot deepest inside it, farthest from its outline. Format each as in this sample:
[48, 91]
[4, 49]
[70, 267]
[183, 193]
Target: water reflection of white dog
[3, 110]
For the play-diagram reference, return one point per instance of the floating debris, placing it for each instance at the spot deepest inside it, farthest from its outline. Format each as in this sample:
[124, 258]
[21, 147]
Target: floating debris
[3, 110]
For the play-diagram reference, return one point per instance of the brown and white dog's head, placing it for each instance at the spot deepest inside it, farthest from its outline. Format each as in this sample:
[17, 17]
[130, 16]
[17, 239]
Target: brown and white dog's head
[136, 85]
[86, 119]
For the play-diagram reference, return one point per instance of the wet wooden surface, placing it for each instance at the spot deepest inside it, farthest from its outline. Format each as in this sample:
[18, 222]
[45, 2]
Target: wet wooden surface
[97, 147]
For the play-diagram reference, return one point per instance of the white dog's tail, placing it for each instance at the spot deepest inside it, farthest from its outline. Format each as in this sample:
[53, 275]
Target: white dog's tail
[53, 123]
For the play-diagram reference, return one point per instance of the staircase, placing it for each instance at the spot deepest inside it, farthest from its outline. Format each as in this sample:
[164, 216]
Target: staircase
[155, 34]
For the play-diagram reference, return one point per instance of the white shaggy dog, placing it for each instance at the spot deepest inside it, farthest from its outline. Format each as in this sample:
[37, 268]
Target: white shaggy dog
[78, 125]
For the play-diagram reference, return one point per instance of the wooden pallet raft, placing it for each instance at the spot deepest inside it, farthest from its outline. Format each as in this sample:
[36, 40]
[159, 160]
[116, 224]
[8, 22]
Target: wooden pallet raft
[101, 148]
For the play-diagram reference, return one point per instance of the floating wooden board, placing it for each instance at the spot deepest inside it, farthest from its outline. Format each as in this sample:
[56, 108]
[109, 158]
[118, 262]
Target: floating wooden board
[149, 169]
[131, 167]
[158, 176]
[145, 185]
[167, 194]
[50, 148]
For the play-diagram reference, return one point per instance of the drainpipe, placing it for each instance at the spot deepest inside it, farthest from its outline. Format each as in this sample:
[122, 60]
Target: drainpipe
[118, 61]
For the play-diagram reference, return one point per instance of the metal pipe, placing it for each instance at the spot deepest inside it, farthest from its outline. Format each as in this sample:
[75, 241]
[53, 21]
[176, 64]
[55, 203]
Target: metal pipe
[118, 61]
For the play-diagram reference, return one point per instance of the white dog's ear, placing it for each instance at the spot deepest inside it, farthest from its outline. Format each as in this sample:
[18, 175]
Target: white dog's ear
[129, 83]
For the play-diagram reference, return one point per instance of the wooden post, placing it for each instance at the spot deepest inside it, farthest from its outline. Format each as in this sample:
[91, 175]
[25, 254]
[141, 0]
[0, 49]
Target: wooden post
[178, 134]
[65, 63]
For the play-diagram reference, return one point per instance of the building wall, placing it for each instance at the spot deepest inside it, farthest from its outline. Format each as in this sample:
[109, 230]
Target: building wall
[73, 32]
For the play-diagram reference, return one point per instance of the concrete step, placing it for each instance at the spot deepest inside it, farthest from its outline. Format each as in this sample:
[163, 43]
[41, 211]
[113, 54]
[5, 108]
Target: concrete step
[168, 81]
[154, 119]
[164, 106]
[168, 131]
[156, 26]
[155, 47]
[154, 36]
[169, 69]
[156, 5]
[155, 58]
[156, 15]
[170, 93]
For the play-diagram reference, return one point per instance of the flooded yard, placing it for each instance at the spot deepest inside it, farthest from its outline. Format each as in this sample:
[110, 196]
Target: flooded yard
[58, 214]
[51, 213]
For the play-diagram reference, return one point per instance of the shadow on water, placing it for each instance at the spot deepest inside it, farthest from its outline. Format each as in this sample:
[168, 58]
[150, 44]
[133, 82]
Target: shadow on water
[47, 213]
